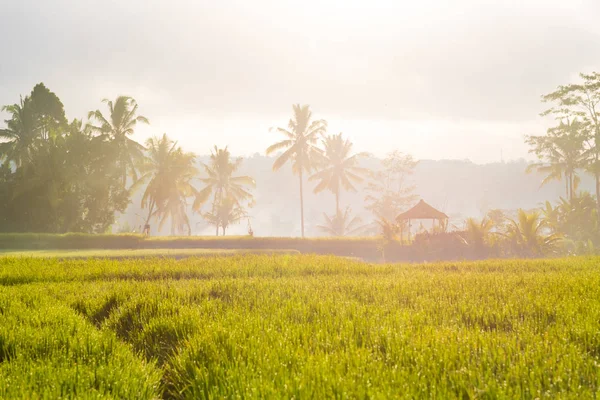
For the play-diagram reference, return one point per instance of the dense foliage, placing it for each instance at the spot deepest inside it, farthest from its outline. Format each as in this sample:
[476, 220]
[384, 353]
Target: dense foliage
[299, 326]
[56, 176]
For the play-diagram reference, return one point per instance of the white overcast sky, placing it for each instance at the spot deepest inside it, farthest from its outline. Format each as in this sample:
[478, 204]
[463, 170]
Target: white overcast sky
[450, 79]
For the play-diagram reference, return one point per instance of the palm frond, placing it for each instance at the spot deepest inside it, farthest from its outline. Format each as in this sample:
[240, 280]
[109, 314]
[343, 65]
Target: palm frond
[279, 145]
[243, 180]
[282, 159]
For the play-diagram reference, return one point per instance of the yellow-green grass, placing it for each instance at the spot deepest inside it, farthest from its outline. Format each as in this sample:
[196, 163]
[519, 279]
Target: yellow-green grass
[131, 240]
[138, 253]
[289, 326]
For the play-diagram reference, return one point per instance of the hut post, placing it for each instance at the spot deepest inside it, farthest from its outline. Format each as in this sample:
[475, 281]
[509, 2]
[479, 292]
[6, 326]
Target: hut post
[401, 234]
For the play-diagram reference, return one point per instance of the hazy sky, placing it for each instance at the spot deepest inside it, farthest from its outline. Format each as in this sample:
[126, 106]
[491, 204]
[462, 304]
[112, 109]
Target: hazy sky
[435, 78]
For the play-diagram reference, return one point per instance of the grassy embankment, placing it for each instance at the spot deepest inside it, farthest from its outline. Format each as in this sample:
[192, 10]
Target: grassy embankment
[77, 244]
[137, 253]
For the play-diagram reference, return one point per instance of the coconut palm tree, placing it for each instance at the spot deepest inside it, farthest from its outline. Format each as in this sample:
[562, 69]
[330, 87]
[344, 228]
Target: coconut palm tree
[551, 216]
[339, 169]
[223, 186]
[478, 233]
[342, 224]
[497, 218]
[561, 153]
[300, 147]
[121, 123]
[168, 171]
[228, 211]
[20, 133]
[578, 217]
[221, 182]
[528, 235]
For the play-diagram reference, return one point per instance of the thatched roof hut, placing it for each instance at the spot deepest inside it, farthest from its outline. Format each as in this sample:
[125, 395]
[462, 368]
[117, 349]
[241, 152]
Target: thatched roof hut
[422, 211]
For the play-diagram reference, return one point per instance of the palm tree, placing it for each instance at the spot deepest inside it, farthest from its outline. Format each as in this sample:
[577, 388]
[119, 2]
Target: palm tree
[497, 218]
[220, 181]
[20, 133]
[341, 224]
[225, 213]
[478, 233]
[300, 146]
[528, 236]
[120, 124]
[169, 172]
[551, 216]
[222, 184]
[578, 217]
[561, 153]
[340, 170]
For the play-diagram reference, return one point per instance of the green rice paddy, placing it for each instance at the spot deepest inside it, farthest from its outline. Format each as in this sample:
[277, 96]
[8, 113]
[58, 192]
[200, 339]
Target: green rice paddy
[298, 326]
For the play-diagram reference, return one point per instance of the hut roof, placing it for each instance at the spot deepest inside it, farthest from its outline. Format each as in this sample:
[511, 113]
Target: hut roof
[422, 211]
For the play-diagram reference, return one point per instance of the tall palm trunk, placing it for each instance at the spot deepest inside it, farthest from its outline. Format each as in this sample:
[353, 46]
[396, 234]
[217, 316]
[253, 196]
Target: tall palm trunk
[337, 202]
[301, 204]
[597, 175]
[596, 159]
[216, 198]
[152, 203]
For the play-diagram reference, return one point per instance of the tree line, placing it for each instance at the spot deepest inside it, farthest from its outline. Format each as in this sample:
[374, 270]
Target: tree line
[61, 176]
[569, 148]
[76, 176]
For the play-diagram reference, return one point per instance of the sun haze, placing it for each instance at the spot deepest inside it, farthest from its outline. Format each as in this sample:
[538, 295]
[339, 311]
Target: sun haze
[423, 76]
[300, 199]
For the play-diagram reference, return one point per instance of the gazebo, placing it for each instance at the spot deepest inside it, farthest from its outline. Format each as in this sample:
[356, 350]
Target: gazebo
[421, 211]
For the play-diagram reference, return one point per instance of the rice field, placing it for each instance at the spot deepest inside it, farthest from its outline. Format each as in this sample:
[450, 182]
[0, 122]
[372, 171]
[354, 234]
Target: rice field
[139, 253]
[298, 326]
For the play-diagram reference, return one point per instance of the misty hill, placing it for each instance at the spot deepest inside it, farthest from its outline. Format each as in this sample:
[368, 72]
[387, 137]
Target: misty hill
[461, 189]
